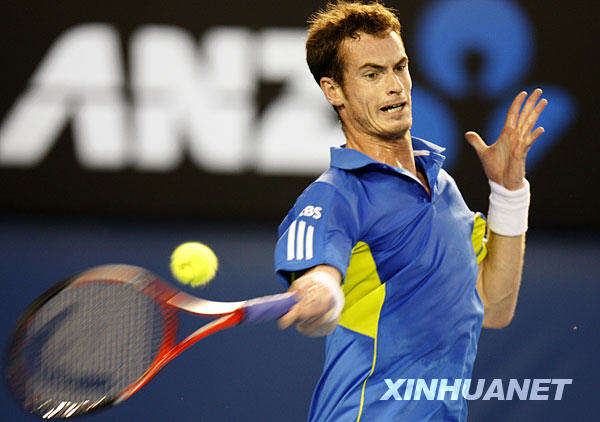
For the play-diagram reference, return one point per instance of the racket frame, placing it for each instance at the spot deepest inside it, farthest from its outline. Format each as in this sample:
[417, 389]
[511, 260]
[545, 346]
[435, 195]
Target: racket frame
[169, 300]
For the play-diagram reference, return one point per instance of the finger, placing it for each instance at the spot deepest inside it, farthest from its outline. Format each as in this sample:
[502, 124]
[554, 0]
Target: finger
[513, 111]
[318, 320]
[316, 326]
[311, 307]
[535, 115]
[476, 142]
[528, 107]
[536, 133]
[289, 318]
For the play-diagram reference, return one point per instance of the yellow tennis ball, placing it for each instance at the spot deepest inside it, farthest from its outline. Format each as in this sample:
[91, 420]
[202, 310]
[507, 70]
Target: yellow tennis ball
[194, 263]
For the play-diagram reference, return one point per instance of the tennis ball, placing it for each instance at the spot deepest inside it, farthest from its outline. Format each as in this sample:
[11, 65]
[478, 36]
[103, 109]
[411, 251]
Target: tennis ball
[194, 263]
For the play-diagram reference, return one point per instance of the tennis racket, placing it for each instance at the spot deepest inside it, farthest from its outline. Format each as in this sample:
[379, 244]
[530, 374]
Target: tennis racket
[97, 338]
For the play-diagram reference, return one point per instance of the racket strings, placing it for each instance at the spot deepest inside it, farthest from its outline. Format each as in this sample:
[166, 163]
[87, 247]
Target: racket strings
[85, 346]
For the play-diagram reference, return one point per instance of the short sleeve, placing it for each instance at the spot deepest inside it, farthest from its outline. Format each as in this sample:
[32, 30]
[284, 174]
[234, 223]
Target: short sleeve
[320, 229]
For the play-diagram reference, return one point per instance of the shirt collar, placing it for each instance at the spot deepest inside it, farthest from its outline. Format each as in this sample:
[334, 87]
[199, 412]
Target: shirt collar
[351, 159]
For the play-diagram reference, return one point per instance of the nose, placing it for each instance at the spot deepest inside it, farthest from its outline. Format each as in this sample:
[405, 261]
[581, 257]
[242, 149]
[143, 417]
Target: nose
[394, 84]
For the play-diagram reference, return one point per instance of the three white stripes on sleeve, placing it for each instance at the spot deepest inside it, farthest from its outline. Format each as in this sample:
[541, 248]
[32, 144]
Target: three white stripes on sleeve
[300, 241]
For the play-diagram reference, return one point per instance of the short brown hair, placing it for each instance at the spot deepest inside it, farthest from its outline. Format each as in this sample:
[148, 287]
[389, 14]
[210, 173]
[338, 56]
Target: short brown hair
[330, 26]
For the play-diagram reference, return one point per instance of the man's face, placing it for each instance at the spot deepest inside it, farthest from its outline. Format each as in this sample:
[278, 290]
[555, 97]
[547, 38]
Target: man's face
[376, 89]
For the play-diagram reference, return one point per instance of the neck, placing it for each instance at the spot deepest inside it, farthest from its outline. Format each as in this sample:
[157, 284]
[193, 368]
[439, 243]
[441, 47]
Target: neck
[394, 152]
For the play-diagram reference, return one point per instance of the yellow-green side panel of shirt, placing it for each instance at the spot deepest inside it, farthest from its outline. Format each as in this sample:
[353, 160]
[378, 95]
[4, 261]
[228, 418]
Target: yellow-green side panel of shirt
[364, 293]
[478, 237]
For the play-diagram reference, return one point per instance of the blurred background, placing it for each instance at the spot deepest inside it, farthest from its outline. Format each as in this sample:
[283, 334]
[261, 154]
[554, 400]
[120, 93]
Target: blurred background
[128, 127]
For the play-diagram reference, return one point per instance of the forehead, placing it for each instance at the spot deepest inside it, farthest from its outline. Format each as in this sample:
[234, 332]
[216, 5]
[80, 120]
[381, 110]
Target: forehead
[367, 48]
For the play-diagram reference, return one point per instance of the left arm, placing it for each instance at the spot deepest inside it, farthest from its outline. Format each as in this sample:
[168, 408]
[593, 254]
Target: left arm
[504, 163]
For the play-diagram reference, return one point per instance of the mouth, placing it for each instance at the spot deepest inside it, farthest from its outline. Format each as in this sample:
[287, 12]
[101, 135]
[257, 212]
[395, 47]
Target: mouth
[393, 107]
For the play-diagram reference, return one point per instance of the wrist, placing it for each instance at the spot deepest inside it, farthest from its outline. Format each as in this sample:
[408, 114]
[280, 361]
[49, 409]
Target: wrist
[509, 209]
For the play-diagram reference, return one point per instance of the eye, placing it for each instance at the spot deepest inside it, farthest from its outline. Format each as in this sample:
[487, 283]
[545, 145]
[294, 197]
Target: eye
[402, 66]
[370, 75]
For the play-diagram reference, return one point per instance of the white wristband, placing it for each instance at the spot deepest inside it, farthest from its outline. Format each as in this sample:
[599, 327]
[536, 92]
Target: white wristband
[337, 294]
[509, 209]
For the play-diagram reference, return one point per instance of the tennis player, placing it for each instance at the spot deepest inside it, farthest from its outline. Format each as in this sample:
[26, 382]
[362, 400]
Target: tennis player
[389, 261]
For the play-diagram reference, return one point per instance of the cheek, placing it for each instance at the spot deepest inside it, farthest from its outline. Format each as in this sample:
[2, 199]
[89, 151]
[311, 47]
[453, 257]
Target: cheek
[408, 82]
[361, 101]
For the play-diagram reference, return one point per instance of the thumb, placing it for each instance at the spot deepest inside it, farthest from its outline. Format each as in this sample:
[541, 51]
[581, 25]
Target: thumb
[476, 142]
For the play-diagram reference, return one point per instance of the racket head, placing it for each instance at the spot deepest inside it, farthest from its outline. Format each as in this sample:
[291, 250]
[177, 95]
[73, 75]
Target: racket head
[87, 339]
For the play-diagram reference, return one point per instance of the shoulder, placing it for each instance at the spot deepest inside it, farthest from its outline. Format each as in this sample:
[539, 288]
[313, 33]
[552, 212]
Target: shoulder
[444, 176]
[331, 193]
[333, 176]
[446, 181]
[333, 183]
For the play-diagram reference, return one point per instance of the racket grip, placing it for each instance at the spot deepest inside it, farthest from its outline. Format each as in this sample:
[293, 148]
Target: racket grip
[268, 308]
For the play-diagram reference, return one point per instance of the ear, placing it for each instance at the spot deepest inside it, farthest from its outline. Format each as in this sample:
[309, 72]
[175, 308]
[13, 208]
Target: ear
[333, 91]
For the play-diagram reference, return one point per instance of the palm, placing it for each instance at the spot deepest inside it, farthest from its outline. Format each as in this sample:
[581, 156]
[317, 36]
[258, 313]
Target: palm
[504, 160]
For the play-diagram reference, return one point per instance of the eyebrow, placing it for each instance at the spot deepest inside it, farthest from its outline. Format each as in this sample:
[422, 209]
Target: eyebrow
[372, 66]
[403, 60]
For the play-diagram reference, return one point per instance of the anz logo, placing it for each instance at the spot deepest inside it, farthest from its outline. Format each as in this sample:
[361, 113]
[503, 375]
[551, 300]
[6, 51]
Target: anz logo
[179, 97]
[183, 97]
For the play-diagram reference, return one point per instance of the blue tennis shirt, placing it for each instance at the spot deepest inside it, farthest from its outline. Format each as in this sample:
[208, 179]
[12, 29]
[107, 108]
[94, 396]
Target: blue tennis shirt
[409, 263]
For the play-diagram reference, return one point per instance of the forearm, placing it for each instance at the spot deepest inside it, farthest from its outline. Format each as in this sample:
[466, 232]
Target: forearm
[501, 270]
[500, 278]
